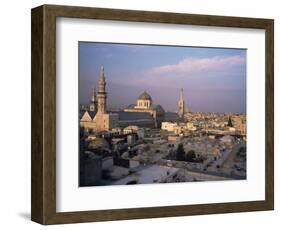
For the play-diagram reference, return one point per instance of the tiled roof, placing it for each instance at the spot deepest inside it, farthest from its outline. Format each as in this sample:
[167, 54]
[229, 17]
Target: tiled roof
[171, 115]
[91, 113]
[134, 116]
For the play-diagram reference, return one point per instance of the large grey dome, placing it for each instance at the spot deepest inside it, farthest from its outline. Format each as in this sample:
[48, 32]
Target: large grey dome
[144, 96]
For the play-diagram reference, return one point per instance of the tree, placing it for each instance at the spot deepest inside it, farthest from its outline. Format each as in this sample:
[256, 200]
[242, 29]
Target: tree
[190, 156]
[229, 123]
[180, 154]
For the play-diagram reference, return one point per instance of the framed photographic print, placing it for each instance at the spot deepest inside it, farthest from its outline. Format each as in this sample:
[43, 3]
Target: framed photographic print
[140, 114]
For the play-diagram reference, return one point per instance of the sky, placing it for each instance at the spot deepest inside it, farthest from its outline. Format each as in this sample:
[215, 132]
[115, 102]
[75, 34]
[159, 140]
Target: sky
[213, 79]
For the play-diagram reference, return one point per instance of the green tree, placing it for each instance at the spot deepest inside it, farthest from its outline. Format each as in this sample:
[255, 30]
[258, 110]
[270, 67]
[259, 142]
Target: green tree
[229, 123]
[190, 156]
[180, 154]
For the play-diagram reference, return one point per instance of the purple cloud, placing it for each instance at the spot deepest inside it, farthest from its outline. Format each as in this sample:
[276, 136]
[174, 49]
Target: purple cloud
[193, 65]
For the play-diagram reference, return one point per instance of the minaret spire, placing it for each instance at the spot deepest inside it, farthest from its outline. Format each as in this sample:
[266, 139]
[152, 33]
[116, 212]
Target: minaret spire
[101, 92]
[93, 103]
[181, 94]
[102, 77]
[94, 96]
[181, 109]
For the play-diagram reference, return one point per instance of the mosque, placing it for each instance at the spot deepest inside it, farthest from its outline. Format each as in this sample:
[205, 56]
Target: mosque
[144, 113]
[144, 105]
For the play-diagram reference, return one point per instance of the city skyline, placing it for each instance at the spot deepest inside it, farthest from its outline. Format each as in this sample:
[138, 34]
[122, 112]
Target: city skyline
[141, 142]
[213, 79]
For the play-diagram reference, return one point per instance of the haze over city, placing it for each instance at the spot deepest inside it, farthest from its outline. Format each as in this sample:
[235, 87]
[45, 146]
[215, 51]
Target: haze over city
[213, 79]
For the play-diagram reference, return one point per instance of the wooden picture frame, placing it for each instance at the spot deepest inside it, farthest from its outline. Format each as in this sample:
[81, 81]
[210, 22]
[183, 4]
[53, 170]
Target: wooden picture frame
[43, 208]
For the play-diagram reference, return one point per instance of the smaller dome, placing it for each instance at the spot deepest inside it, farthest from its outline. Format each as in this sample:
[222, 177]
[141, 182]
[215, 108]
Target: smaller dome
[144, 96]
[159, 109]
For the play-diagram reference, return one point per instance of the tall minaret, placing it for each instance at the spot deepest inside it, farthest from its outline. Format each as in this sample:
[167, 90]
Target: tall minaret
[93, 103]
[102, 92]
[181, 105]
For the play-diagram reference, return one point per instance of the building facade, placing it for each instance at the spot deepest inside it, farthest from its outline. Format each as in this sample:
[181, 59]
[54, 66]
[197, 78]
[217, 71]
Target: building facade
[97, 118]
[143, 113]
[144, 104]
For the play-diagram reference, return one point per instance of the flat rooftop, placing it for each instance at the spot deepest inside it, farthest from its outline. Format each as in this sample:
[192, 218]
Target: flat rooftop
[148, 175]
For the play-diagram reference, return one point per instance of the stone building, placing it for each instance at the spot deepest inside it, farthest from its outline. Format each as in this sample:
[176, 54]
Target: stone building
[97, 118]
[144, 113]
[86, 120]
[103, 119]
[90, 170]
[142, 119]
[144, 104]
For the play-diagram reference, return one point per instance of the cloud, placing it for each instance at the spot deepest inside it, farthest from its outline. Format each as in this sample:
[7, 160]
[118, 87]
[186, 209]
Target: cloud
[193, 65]
[136, 48]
